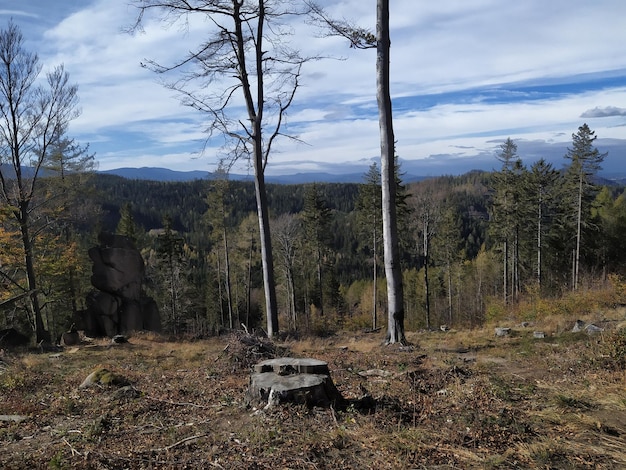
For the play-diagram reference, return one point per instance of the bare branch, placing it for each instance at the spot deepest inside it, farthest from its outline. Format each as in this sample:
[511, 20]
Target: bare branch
[359, 37]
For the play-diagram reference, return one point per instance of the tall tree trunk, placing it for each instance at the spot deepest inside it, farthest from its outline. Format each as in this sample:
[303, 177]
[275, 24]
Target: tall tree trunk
[229, 295]
[426, 285]
[539, 228]
[449, 267]
[259, 159]
[395, 294]
[319, 279]
[40, 332]
[291, 292]
[505, 268]
[375, 290]
[249, 282]
[219, 289]
[576, 263]
[266, 247]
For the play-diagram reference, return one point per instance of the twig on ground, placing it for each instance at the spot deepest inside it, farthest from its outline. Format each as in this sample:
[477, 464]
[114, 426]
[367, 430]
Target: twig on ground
[74, 451]
[177, 403]
[176, 444]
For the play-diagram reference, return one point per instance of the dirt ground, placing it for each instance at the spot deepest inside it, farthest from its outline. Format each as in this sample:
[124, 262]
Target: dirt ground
[450, 400]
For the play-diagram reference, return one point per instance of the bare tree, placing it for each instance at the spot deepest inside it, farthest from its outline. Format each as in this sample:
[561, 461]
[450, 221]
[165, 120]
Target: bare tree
[428, 211]
[363, 38]
[217, 216]
[286, 230]
[34, 117]
[245, 56]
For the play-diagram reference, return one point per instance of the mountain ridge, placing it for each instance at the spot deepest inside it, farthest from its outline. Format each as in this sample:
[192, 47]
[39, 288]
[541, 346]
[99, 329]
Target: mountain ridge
[164, 174]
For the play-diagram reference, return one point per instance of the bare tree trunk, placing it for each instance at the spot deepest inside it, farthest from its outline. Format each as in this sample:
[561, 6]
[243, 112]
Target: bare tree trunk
[219, 288]
[505, 274]
[449, 266]
[291, 292]
[395, 294]
[539, 217]
[375, 292]
[40, 331]
[258, 156]
[266, 254]
[229, 296]
[576, 263]
[319, 279]
[426, 260]
[249, 282]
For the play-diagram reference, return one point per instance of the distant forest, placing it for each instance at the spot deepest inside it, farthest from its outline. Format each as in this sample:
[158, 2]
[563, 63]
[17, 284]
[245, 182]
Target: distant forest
[471, 245]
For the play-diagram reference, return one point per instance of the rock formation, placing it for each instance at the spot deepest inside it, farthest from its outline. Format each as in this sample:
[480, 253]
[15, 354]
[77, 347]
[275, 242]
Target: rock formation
[11, 338]
[117, 305]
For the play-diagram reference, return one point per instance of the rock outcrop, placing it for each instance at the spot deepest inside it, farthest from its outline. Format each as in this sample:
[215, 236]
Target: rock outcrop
[117, 304]
[11, 338]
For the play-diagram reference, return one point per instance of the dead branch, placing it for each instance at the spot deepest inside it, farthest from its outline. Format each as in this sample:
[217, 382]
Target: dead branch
[176, 444]
[177, 403]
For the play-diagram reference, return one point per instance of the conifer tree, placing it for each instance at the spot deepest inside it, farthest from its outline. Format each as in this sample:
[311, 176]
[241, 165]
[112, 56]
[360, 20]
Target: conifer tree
[579, 190]
[316, 216]
[506, 221]
[541, 188]
[171, 266]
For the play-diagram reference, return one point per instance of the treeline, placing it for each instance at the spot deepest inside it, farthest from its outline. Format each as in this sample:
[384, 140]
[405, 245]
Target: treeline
[471, 245]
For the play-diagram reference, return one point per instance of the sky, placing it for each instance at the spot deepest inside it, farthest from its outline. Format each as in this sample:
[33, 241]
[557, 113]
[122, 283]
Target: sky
[465, 75]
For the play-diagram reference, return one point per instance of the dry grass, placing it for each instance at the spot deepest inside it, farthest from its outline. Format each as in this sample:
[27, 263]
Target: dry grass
[455, 400]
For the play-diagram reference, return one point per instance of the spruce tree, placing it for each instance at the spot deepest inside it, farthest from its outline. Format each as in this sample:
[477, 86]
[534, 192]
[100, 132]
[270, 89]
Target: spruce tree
[580, 190]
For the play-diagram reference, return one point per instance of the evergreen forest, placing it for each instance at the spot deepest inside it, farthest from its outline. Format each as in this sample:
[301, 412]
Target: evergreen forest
[473, 246]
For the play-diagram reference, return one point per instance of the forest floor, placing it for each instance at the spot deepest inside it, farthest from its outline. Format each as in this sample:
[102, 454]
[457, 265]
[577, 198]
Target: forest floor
[452, 400]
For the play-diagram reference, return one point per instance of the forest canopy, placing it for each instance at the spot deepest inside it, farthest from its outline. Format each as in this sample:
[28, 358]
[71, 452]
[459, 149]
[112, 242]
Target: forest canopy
[471, 246]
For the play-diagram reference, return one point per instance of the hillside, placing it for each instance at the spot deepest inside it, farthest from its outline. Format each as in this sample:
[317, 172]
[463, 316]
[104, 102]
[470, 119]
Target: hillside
[455, 399]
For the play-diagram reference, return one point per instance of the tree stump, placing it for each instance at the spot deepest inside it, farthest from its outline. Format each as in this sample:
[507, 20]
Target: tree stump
[291, 380]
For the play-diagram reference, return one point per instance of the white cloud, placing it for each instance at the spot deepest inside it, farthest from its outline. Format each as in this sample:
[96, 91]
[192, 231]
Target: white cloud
[437, 47]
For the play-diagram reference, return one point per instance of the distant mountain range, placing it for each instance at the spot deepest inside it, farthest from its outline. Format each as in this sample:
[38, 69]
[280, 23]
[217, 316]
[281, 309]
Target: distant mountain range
[163, 174]
[614, 172]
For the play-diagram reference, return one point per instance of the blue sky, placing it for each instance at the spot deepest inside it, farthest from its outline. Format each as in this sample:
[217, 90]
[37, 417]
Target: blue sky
[465, 76]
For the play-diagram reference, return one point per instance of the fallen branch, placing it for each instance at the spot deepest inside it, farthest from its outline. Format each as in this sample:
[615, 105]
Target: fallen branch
[177, 403]
[74, 451]
[14, 418]
[176, 444]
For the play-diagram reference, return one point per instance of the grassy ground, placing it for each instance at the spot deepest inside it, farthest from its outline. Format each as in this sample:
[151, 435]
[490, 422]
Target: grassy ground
[454, 400]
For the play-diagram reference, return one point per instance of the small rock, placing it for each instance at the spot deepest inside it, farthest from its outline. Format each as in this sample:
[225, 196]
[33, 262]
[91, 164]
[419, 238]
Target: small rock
[593, 329]
[578, 326]
[539, 335]
[103, 377]
[126, 392]
[375, 373]
[71, 337]
[119, 339]
[501, 332]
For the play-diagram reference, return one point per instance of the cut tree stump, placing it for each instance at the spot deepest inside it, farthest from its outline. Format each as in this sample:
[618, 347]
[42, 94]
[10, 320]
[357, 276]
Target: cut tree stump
[291, 380]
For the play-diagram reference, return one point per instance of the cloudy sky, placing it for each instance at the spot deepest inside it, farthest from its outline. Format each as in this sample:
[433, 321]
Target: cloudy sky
[465, 76]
